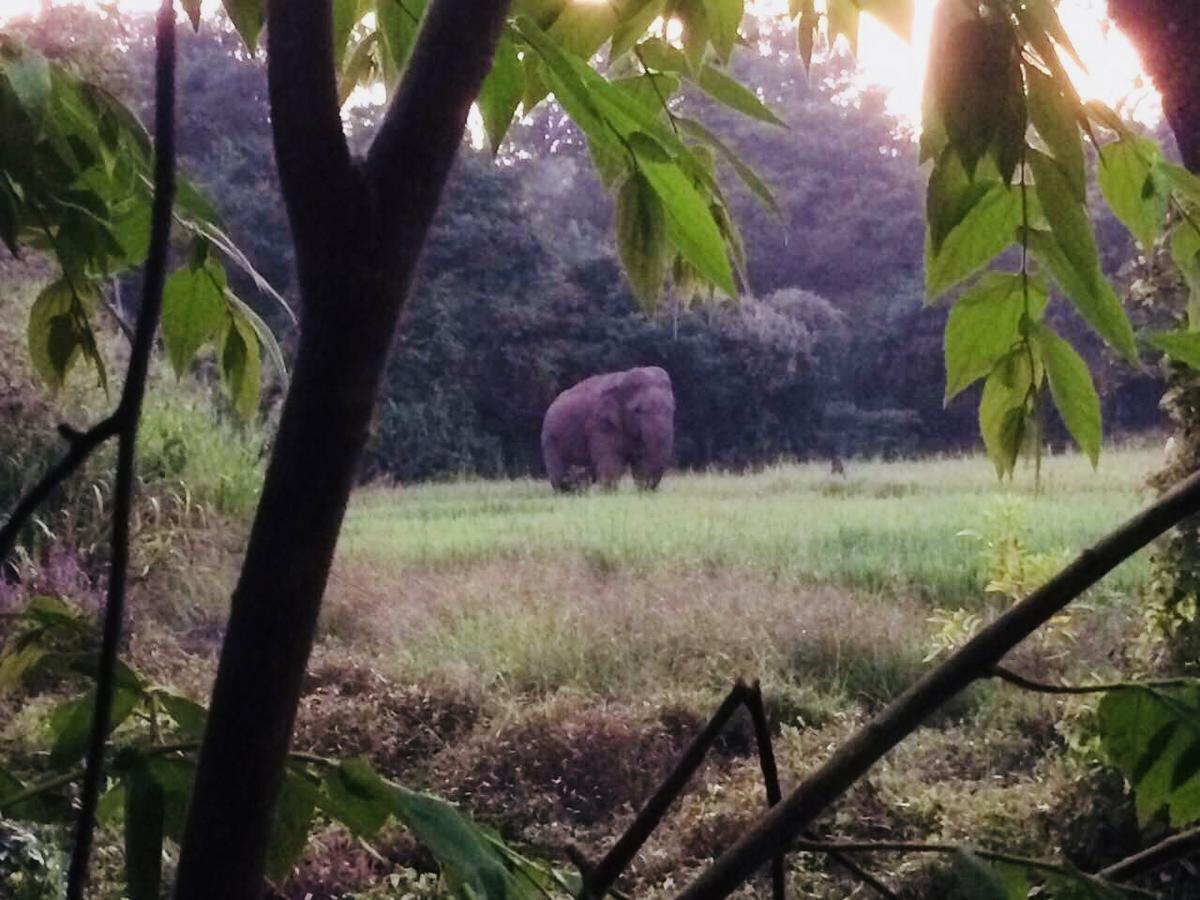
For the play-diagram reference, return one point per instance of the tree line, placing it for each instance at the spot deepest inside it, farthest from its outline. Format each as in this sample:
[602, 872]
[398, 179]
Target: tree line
[520, 292]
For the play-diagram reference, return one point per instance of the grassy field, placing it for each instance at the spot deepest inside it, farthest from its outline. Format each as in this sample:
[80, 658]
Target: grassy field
[513, 585]
[543, 661]
[564, 649]
[887, 527]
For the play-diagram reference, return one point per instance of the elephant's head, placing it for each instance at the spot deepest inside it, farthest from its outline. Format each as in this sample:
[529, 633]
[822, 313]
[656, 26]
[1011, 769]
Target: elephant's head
[648, 420]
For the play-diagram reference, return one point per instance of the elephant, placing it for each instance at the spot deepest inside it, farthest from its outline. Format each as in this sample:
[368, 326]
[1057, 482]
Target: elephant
[607, 423]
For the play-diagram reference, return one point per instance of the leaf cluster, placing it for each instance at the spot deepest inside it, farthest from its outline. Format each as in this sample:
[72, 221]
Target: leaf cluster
[1005, 133]
[75, 183]
[154, 736]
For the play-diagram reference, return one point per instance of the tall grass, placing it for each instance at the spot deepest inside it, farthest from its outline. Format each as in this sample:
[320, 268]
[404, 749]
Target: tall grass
[888, 528]
[820, 586]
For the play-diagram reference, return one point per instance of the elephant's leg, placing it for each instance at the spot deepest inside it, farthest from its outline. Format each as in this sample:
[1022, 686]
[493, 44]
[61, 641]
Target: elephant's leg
[608, 463]
[647, 479]
[557, 470]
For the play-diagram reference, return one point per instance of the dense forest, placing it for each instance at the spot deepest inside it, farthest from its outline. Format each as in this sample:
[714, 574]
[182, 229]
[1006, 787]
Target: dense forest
[520, 292]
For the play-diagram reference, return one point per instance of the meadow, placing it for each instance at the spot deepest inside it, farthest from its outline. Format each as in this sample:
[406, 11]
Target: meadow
[546, 657]
[543, 660]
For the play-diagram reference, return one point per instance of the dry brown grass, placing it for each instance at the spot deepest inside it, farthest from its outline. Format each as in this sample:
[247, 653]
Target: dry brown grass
[527, 627]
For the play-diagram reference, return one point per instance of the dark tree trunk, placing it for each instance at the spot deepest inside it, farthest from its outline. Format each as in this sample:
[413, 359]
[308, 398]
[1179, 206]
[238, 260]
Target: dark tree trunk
[1167, 36]
[358, 230]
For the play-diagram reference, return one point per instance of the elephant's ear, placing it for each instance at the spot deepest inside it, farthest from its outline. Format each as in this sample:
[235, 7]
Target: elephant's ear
[609, 408]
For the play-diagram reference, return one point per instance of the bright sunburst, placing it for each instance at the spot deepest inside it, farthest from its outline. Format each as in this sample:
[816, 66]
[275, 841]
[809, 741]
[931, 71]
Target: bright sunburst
[1113, 73]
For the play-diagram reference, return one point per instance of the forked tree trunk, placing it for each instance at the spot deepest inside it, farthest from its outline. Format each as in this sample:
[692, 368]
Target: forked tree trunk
[358, 228]
[1167, 36]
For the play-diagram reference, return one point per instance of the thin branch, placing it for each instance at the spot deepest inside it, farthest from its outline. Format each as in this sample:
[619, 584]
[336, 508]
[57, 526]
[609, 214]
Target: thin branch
[766, 758]
[1041, 865]
[599, 878]
[976, 659]
[81, 446]
[770, 773]
[1166, 851]
[112, 308]
[1041, 687]
[128, 414]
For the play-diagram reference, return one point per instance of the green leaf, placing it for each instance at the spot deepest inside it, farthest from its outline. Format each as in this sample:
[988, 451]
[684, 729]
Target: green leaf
[690, 223]
[1183, 346]
[289, 831]
[266, 338]
[744, 171]
[193, 312]
[346, 14]
[1079, 886]
[1126, 174]
[1181, 181]
[467, 859]
[697, 32]
[655, 53]
[192, 8]
[54, 333]
[642, 238]
[188, 715]
[724, 19]
[175, 775]
[110, 804]
[981, 880]
[1151, 736]
[247, 17]
[29, 77]
[842, 19]
[143, 832]
[10, 218]
[806, 28]
[42, 807]
[1053, 116]
[1185, 251]
[357, 797]
[986, 230]
[241, 365]
[636, 16]
[974, 87]
[1003, 409]
[71, 723]
[501, 92]
[1071, 387]
[721, 87]
[1089, 292]
[984, 325]
[1066, 214]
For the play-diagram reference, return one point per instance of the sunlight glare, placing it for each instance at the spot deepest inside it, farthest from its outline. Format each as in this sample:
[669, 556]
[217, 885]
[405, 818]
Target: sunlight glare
[1113, 71]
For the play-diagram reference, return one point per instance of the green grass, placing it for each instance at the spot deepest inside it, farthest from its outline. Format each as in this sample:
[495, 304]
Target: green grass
[805, 581]
[887, 528]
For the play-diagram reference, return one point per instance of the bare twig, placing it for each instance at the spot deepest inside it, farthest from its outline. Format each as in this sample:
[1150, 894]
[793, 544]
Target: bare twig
[127, 419]
[1041, 865]
[766, 758]
[113, 308]
[81, 446]
[601, 877]
[1175, 847]
[770, 773]
[976, 659]
[1041, 687]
